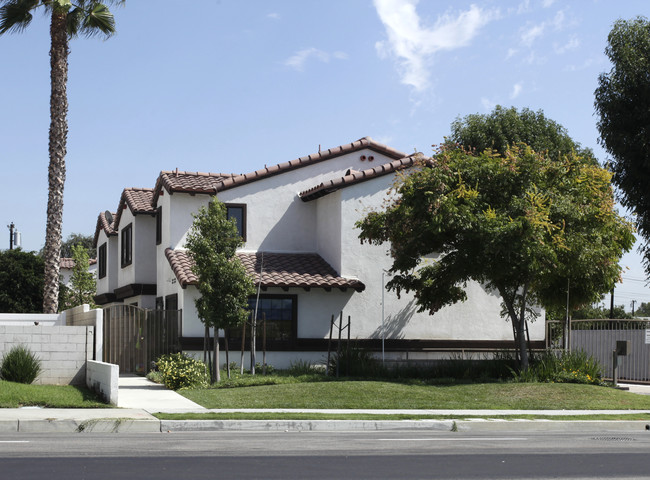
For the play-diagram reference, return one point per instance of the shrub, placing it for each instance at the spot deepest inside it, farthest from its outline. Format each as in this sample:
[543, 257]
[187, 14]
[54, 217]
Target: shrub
[356, 362]
[20, 365]
[300, 367]
[179, 370]
[562, 367]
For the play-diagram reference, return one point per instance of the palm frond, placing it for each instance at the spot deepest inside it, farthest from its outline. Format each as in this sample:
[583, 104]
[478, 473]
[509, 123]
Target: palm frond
[15, 15]
[74, 19]
[97, 19]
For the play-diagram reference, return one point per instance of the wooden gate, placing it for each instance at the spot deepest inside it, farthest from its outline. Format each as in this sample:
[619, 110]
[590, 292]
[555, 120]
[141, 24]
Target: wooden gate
[134, 337]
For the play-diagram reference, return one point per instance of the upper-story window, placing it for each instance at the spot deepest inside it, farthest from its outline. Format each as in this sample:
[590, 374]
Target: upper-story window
[158, 225]
[238, 212]
[127, 245]
[101, 260]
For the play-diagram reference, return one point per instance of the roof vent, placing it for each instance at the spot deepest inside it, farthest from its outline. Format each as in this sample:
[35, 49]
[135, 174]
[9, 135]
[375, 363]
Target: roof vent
[371, 158]
[362, 158]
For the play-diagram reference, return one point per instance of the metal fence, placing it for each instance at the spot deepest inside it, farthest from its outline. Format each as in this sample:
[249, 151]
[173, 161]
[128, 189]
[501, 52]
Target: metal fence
[134, 337]
[598, 338]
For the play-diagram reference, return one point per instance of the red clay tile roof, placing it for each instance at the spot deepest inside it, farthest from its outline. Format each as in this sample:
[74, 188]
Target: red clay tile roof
[188, 182]
[286, 270]
[210, 183]
[353, 176]
[66, 262]
[139, 201]
[365, 142]
[102, 224]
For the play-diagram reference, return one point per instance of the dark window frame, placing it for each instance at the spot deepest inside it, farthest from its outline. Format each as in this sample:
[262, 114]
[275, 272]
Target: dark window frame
[241, 206]
[101, 260]
[158, 225]
[234, 334]
[126, 245]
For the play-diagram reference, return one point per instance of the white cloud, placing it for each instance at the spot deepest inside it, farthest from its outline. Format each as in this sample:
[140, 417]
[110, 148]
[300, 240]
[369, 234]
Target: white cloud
[531, 33]
[488, 104]
[413, 44]
[572, 44]
[298, 60]
[274, 16]
[547, 3]
[516, 90]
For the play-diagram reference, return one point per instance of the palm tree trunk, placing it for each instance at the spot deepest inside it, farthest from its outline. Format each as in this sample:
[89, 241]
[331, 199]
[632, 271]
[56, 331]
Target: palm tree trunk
[57, 151]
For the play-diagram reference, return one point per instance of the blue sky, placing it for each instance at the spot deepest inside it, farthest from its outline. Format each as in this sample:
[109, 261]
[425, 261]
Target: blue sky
[229, 86]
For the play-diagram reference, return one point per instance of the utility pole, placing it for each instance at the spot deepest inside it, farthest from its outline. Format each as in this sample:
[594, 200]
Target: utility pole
[633, 302]
[611, 306]
[11, 235]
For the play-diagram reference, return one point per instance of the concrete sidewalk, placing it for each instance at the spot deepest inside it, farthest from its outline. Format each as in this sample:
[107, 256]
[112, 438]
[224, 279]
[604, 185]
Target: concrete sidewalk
[138, 392]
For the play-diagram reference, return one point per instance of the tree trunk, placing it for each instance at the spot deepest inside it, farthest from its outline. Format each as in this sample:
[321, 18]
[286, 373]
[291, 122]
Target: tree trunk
[57, 151]
[518, 325]
[215, 363]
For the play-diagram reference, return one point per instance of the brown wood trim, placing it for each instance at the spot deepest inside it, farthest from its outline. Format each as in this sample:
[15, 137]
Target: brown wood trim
[374, 345]
[135, 289]
[104, 298]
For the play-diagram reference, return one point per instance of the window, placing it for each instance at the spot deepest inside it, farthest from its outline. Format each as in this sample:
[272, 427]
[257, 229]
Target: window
[127, 245]
[279, 311]
[101, 259]
[238, 212]
[171, 302]
[158, 225]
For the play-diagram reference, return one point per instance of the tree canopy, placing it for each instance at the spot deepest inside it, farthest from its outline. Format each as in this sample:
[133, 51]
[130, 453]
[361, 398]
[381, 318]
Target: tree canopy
[504, 127]
[623, 103]
[223, 282]
[522, 223]
[21, 281]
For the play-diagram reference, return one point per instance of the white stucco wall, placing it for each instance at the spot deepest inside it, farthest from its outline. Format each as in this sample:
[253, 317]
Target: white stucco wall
[143, 265]
[277, 219]
[109, 282]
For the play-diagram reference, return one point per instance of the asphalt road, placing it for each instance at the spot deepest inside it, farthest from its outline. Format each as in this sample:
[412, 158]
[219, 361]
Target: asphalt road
[362, 455]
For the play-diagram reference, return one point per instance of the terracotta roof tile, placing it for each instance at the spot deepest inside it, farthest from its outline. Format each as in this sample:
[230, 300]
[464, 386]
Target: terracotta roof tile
[139, 201]
[286, 270]
[66, 262]
[210, 183]
[188, 182]
[353, 176]
[103, 224]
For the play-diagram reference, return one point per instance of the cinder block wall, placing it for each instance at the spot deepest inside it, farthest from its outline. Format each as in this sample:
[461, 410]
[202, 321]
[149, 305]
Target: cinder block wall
[63, 350]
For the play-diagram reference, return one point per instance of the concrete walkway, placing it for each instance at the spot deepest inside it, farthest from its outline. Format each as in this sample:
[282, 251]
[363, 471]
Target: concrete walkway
[139, 392]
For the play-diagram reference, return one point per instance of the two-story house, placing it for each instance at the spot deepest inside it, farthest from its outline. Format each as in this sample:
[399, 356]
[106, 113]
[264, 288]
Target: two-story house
[301, 247]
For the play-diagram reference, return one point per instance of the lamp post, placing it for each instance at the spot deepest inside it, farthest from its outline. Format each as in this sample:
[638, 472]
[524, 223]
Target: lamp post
[11, 235]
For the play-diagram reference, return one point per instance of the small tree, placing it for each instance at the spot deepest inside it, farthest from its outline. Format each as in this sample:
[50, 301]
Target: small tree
[82, 283]
[223, 282]
[519, 223]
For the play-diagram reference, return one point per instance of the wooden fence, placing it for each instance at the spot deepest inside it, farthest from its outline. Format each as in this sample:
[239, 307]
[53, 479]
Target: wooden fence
[135, 337]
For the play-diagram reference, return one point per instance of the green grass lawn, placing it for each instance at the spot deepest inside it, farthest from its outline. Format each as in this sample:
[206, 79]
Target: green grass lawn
[14, 395]
[394, 395]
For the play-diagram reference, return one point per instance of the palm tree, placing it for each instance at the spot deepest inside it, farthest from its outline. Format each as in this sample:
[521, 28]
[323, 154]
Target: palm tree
[68, 19]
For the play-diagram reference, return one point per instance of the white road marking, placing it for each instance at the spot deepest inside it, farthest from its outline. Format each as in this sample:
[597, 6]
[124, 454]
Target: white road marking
[436, 439]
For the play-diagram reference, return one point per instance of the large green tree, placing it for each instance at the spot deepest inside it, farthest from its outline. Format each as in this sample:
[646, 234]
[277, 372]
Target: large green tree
[67, 20]
[504, 127]
[21, 281]
[520, 223]
[223, 282]
[623, 103]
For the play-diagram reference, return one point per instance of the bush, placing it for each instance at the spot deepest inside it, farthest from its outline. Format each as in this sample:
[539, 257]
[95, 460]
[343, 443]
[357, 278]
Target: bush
[562, 367]
[179, 370]
[300, 367]
[20, 365]
[357, 362]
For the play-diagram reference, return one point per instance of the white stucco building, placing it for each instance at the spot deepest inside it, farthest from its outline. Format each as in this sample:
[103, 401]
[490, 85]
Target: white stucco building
[298, 223]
